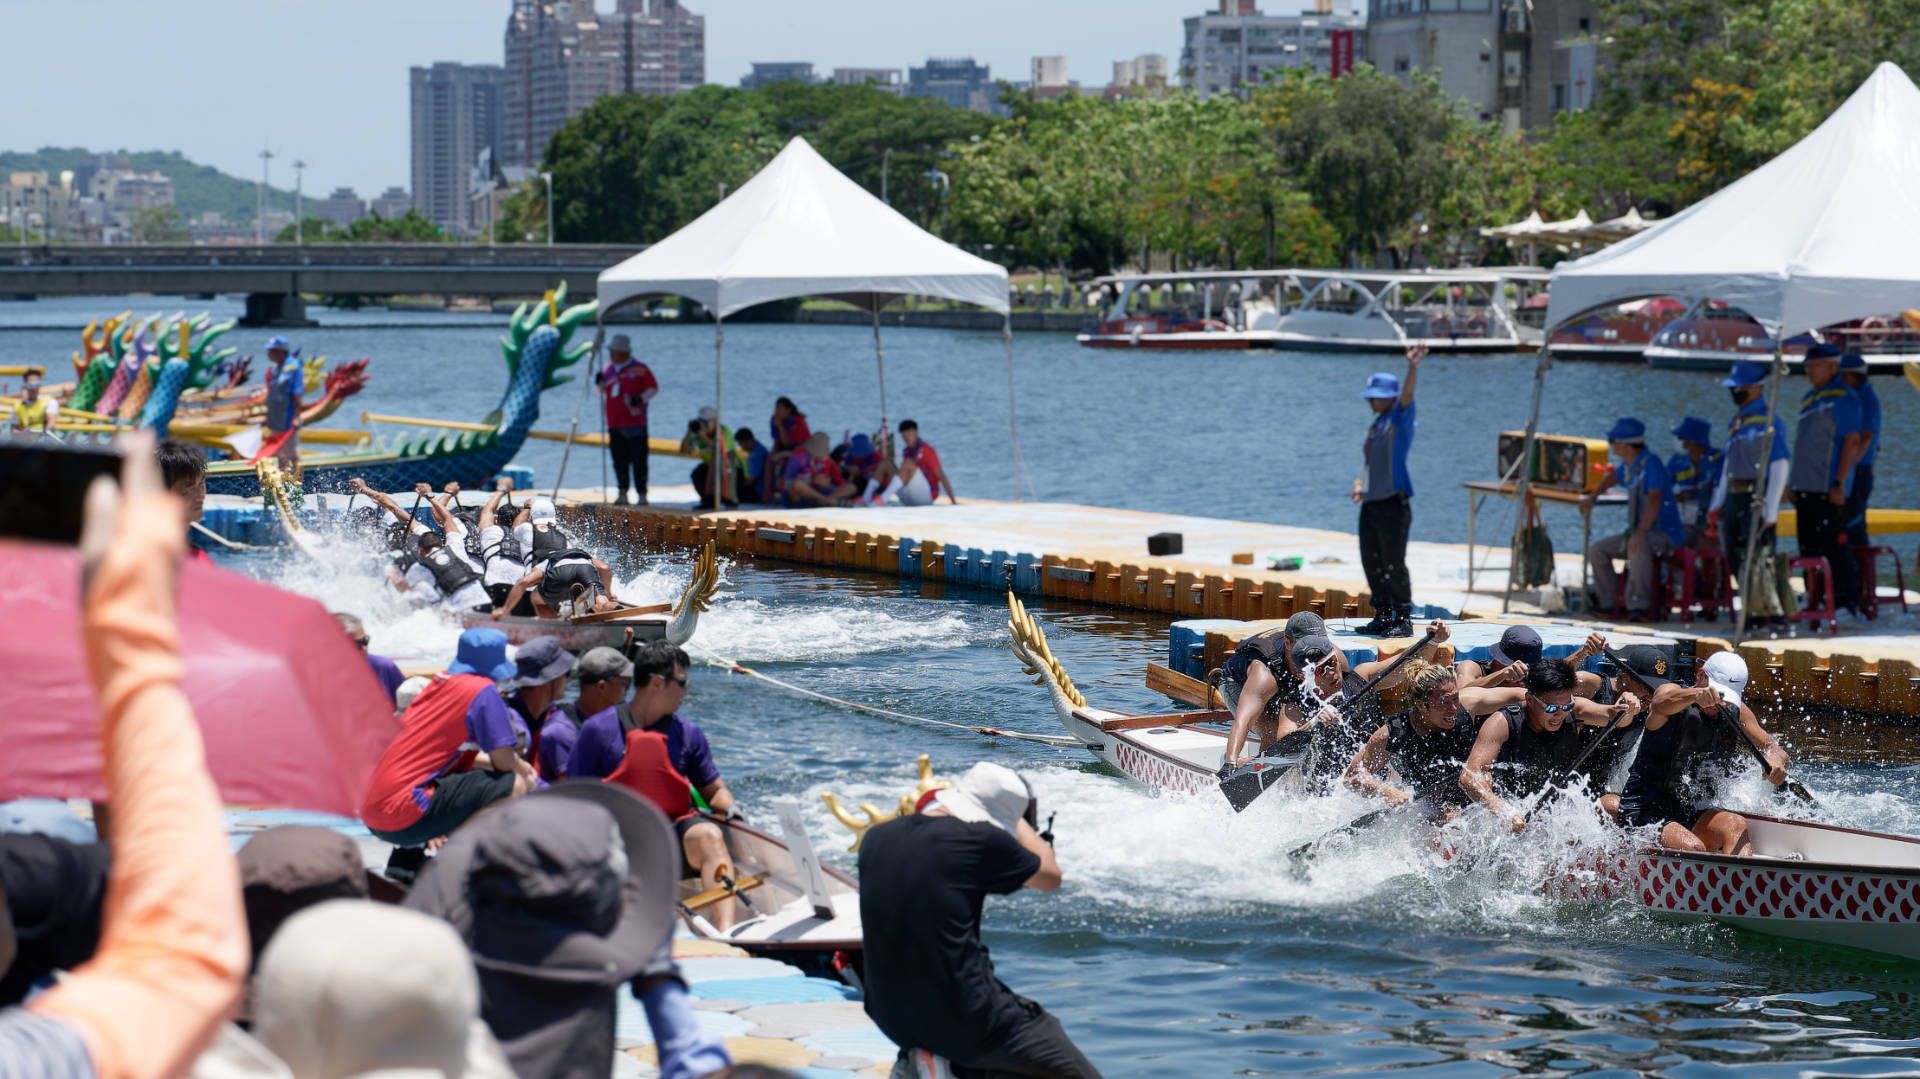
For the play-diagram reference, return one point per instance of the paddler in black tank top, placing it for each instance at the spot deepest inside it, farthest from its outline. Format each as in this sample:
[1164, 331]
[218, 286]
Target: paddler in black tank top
[1525, 741]
[1672, 781]
[1334, 684]
[1259, 678]
[1426, 745]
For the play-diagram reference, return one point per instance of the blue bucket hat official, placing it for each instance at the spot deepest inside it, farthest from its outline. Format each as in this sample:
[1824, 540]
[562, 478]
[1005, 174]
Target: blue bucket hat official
[1627, 429]
[483, 652]
[1380, 384]
[278, 342]
[1853, 361]
[1745, 373]
[1694, 429]
[1824, 350]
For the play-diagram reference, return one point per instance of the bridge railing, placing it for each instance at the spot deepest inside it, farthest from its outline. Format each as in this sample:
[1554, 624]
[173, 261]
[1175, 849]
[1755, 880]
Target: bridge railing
[318, 256]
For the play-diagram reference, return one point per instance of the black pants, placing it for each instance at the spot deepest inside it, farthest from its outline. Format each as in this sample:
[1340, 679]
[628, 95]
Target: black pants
[703, 486]
[1383, 552]
[1823, 533]
[1857, 507]
[1040, 1048]
[1736, 516]
[629, 451]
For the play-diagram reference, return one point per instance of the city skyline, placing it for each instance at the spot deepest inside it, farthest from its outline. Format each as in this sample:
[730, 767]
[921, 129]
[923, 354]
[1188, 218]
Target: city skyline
[329, 86]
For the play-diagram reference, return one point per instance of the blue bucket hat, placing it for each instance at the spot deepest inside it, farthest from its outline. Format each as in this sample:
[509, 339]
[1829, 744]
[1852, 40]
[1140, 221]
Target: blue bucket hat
[482, 651]
[1745, 373]
[1627, 429]
[279, 342]
[1824, 350]
[860, 446]
[1694, 429]
[1381, 384]
[1853, 361]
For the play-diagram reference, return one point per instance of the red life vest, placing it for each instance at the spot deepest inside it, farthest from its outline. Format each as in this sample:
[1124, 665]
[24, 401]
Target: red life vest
[648, 772]
[625, 385]
[432, 731]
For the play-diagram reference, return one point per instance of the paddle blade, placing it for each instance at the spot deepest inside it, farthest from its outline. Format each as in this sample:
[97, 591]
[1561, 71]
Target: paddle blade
[1248, 782]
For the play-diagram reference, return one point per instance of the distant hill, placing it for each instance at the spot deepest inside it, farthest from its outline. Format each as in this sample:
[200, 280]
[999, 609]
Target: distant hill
[196, 188]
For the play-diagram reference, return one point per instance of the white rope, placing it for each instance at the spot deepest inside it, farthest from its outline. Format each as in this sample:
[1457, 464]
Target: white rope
[888, 713]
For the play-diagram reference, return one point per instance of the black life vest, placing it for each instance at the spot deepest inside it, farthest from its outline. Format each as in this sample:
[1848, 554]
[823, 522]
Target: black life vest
[1430, 764]
[564, 570]
[508, 548]
[1531, 760]
[1335, 744]
[450, 574]
[470, 531]
[1266, 647]
[550, 543]
[1676, 758]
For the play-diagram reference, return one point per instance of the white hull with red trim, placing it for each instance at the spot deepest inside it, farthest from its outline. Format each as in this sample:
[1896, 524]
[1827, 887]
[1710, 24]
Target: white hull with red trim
[1806, 881]
[775, 919]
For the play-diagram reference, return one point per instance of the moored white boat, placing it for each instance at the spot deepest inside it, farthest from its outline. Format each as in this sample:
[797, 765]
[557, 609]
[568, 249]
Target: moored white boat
[1384, 311]
[1804, 880]
[1234, 310]
[1710, 336]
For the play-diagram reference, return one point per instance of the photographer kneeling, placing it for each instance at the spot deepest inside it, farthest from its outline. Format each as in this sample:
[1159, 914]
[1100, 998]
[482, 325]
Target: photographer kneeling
[930, 983]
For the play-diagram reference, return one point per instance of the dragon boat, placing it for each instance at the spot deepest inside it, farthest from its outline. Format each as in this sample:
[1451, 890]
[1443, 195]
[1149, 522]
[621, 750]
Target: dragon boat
[1179, 751]
[536, 349]
[674, 622]
[787, 903]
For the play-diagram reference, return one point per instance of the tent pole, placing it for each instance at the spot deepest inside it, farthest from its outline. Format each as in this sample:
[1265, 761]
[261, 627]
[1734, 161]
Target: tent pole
[880, 365]
[1526, 465]
[1760, 490]
[573, 428]
[718, 464]
[1013, 412]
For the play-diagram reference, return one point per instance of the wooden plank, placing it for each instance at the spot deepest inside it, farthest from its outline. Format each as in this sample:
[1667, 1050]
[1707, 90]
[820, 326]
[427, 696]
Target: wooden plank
[1165, 680]
[622, 613]
[1852, 685]
[1171, 719]
[1805, 677]
[714, 895]
[1764, 682]
[1897, 693]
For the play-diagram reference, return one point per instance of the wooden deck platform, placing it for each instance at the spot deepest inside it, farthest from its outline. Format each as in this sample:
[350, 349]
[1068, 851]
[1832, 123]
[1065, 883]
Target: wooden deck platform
[1089, 554]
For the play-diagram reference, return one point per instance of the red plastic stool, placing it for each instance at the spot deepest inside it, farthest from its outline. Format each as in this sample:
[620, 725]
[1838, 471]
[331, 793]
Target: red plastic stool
[1672, 587]
[1703, 582]
[1869, 560]
[1819, 575]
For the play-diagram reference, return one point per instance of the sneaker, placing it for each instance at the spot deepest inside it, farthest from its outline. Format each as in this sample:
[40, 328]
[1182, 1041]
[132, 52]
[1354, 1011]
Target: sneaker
[405, 863]
[622, 500]
[1375, 628]
[639, 500]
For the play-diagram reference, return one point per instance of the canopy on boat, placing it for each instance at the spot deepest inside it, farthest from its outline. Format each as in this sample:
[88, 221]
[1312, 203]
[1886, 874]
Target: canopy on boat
[1821, 234]
[802, 228]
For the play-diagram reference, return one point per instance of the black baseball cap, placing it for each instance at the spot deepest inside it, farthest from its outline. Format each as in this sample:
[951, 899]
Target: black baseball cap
[1648, 663]
[1519, 644]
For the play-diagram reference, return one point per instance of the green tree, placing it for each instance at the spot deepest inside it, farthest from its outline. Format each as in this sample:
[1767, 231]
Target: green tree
[601, 190]
[1368, 149]
[158, 225]
[408, 228]
[1610, 163]
[314, 230]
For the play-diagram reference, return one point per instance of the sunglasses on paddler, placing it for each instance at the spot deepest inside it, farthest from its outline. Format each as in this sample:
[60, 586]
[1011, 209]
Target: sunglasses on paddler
[1551, 709]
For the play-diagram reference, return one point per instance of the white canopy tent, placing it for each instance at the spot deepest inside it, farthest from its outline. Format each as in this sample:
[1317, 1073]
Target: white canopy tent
[801, 228]
[1818, 235]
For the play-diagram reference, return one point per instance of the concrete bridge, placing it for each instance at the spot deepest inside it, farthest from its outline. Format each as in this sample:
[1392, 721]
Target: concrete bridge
[273, 276]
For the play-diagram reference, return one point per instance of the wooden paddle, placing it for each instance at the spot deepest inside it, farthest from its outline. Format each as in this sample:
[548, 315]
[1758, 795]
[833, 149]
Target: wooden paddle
[1247, 782]
[726, 891]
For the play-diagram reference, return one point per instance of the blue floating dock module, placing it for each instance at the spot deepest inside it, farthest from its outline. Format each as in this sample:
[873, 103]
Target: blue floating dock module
[1187, 641]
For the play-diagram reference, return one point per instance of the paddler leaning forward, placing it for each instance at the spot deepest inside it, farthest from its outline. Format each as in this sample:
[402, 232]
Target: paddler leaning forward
[1426, 746]
[1526, 738]
[1671, 783]
[1327, 697]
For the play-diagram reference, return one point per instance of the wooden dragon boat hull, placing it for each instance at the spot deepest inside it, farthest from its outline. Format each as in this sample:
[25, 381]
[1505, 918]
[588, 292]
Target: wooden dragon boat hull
[573, 636]
[775, 913]
[1805, 881]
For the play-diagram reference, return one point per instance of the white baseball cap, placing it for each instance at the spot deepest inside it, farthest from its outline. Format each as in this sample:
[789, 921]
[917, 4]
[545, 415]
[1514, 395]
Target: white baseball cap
[987, 793]
[540, 511]
[619, 343]
[1727, 672]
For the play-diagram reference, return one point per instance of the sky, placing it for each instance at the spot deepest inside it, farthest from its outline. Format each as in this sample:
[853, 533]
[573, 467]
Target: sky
[325, 81]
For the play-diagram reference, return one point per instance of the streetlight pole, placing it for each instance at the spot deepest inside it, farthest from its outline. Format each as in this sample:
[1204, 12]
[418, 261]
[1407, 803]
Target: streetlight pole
[299, 207]
[260, 200]
[548, 177]
[886, 156]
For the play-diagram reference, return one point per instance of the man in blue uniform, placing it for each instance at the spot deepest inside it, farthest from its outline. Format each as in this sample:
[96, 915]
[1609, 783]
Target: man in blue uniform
[1384, 493]
[1828, 442]
[1754, 470]
[1653, 523]
[1696, 472]
[1853, 371]
[285, 381]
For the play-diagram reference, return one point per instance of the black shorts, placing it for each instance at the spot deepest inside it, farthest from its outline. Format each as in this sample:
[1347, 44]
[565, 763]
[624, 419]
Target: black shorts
[456, 798]
[524, 609]
[1656, 808]
[681, 827]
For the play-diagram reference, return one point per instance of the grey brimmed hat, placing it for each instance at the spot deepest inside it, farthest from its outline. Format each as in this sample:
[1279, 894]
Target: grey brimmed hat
[538, 662]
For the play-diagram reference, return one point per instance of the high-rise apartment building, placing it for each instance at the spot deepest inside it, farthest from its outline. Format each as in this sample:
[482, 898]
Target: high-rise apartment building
[456, 115]
[1517, 62]
[960, 82]
[766, 74]
[394, 202]
[562, 56]
[880, 78]
[1236, 47]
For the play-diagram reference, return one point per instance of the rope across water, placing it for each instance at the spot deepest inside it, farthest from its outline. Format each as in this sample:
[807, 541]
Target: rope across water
[888, 713]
